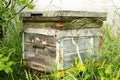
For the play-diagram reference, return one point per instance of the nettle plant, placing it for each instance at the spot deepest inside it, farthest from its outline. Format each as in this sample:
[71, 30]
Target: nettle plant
[10, 27]
[5, 63]
[9, 9]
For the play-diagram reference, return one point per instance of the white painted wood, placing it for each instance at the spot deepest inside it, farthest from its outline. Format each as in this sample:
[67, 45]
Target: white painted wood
[23, 46]
[65, 13]
[59, 54]
[64, 33]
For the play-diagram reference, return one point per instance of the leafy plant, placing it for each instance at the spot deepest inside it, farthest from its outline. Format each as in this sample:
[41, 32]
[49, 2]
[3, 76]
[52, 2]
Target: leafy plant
[5, 64]
[10, 47]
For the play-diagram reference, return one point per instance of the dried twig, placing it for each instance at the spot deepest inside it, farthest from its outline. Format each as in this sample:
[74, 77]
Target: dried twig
[24, 7]
[77, 50]
[9, 2]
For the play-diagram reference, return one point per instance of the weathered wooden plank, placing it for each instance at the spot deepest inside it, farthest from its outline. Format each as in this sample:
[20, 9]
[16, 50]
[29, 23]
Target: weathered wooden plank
[65, 13]
[60, 18]
[74, 24]
[66, 25]
[63, 33]
[35, 54]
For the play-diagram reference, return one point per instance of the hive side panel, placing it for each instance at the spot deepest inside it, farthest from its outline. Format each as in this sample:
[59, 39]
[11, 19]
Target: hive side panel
[40, 50]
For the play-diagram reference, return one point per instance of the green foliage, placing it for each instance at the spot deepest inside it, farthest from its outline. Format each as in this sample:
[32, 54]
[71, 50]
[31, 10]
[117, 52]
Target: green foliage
[8, 9]
[11, 67]
[5, 63]
[31, 6]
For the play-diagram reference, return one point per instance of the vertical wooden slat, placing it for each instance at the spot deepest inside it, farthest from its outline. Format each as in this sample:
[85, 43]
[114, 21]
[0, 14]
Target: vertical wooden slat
[59, 57]
[100, 42]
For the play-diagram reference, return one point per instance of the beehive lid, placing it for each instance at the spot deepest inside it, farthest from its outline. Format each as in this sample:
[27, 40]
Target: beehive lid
[70, 19]
[60, 15]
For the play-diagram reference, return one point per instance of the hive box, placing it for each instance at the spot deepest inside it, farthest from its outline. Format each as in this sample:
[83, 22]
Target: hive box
[52, 40]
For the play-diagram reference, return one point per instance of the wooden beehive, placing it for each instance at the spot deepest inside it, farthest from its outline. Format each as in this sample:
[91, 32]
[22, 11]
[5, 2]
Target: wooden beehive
[51, 40]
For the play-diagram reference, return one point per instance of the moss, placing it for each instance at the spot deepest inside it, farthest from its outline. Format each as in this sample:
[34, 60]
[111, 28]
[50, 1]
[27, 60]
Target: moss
[78, 23]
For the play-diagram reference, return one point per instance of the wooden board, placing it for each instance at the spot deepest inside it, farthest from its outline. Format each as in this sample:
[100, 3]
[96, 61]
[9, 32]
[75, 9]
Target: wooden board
[76, 14]
[38, 53]
[75, 24]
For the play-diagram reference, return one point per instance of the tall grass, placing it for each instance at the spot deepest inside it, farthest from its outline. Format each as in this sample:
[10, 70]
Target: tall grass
[109, 67]
[12, 40]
